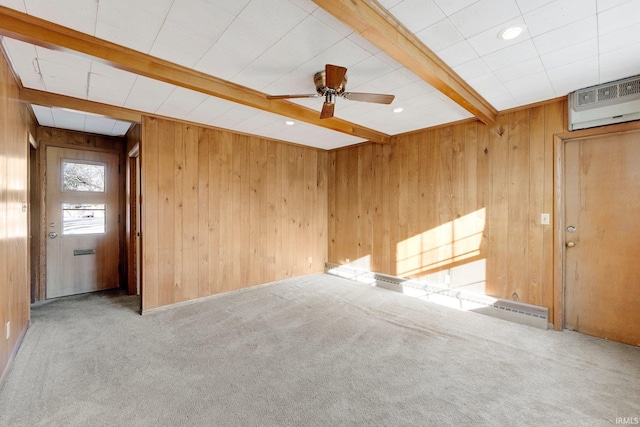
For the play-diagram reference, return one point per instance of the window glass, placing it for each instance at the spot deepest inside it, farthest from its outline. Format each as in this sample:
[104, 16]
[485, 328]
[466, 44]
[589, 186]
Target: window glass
[83, 219]
[79, 176]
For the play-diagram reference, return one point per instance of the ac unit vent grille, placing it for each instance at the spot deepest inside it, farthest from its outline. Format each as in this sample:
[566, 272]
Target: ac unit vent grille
[607, 94]
[629, 88]
[586, 97]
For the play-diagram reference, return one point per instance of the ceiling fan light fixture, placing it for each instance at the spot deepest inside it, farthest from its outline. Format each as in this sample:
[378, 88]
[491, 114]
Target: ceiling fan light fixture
[510, 32]
[289, 123]
[398, 110]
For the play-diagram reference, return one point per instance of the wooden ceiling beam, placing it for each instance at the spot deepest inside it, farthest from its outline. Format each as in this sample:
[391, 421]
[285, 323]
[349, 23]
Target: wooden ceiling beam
[373, 22]
[43, 33]
[48, 99]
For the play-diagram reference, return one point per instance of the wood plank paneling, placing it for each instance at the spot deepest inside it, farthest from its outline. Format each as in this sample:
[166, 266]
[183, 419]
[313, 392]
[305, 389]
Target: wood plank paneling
[15, 123]
[457, 204]
[223, 211]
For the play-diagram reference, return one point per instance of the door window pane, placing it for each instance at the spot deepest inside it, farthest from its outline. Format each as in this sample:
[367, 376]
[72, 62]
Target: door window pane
[83, 219]
[79, 176]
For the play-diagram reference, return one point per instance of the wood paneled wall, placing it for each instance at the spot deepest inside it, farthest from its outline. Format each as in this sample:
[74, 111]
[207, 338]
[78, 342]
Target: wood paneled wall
[15, 125]
[223, 211]
[444, 199]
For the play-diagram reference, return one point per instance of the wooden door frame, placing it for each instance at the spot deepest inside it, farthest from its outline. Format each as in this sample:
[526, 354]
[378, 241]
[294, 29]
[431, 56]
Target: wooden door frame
[132, 185]
[559, 206]
[53, 137]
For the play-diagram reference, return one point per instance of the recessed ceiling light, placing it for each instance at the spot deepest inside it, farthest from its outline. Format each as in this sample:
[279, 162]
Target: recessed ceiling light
[398, 110]
[289, 123]
[510, 33]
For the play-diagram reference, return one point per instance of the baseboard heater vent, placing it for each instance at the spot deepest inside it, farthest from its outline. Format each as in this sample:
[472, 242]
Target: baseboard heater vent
[514, 311]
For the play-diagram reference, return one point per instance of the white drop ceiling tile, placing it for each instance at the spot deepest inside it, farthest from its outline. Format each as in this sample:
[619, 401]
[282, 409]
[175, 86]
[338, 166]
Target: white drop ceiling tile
[232, 7]
[178, 44]
[272, 17]
[23, 60]
[63, 73]
[363, 43]
[449, 7]
[79, 15]
[417, 15]
[472, 69]
[181, 102]
[306, 5]
[619, 64]
[576, 52]
[529, 5]
[421, 101]
[209, 109]
[389, 60]
[309, 38]
[109, 85]
[101, 89]
[502, 100]
[414, 78]
[387, 83]
[201, 18]
[488, 41]
[133, 24]
[530, 89]
[99, 125]
[608, 4]
[558, 14]
[483, 15]
[345, 53]
[575, 75]
[68, 120]
[367, 70]
[268, 68]
[121, 128]
[567, 36]
[624, 15]
[519, 70]
[440, 35]
[457, 54]
[388, 4]
[240, 45]
[628, 36]
[62, 65]
[491, 89]
[260, 120]
[409, 91]
[148, 94]
[43, 115]
[14, 4]
[332, 22]
[233, 118]
[511, 55]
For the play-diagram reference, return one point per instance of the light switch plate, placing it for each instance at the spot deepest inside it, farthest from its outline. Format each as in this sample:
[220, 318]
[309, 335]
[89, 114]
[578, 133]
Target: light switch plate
[544, 219]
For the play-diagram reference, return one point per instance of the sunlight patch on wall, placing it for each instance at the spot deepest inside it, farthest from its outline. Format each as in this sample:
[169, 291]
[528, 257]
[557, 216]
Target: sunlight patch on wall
[441, 247]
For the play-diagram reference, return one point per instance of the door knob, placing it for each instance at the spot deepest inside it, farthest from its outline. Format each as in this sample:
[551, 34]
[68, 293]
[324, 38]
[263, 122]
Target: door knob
[571, 244]
[53, 235]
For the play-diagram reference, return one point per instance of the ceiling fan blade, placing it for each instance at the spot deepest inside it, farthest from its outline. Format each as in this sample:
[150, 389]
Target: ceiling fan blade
[377, 98]
[334, 76]
[311, 95]
[327, 110]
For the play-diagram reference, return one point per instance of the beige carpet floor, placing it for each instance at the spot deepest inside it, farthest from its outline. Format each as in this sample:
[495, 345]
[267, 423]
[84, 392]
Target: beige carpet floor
[312, 351]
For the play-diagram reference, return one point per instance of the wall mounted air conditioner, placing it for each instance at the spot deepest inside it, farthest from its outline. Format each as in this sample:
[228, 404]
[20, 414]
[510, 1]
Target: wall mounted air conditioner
[605, 104]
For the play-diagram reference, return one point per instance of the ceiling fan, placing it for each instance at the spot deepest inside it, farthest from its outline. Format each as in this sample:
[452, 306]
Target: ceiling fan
[332, 83]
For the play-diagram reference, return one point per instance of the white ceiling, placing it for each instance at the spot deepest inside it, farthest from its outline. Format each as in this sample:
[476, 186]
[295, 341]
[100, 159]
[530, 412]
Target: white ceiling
[275, 46]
